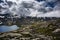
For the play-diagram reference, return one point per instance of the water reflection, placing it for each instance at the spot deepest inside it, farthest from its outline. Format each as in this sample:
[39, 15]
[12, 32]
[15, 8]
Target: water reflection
[5, 28]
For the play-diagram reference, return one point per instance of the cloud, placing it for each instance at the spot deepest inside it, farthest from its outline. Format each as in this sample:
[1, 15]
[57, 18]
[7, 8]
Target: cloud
[30, 8]
[50, 14]
[51, 0]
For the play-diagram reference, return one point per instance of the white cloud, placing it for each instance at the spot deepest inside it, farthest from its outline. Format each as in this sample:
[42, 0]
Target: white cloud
[53, 14]
[19, 1]
[50, 14]
[31, 8]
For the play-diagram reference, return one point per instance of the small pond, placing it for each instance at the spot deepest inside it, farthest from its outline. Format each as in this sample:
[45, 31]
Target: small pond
[5, 28]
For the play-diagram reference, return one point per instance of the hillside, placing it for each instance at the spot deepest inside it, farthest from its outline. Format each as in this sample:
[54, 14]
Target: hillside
[34, 29]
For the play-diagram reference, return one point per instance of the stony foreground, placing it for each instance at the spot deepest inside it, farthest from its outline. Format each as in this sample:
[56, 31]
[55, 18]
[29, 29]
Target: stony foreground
[34, 30]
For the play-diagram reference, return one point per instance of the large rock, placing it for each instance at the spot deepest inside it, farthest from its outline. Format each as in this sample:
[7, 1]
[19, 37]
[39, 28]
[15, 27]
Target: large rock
[57, 31]
[10, 34]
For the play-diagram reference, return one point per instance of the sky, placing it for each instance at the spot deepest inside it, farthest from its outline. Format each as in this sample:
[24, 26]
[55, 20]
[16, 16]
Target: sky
[33, 8]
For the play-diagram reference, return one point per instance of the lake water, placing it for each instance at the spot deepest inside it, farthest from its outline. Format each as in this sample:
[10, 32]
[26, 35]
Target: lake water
[5, 28]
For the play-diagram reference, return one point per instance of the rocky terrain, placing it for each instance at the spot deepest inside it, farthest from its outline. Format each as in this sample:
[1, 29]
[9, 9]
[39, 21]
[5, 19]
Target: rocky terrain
[34, 29]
